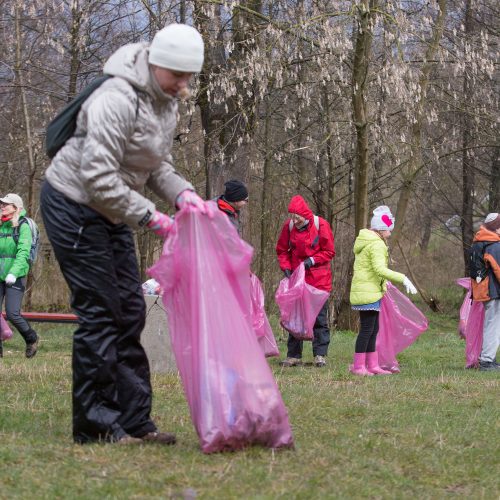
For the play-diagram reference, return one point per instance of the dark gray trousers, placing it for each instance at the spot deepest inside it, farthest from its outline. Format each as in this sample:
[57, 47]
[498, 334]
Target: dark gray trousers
[13, 295]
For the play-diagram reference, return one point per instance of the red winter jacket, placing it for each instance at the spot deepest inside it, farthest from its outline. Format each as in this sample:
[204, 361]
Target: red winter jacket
[295, 246]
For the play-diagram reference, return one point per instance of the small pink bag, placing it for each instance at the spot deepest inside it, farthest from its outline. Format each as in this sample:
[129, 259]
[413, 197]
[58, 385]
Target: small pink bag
[466, 305]
[5, 330]
[230, 388]
[260, 322]
[400, 323]
[299, 304]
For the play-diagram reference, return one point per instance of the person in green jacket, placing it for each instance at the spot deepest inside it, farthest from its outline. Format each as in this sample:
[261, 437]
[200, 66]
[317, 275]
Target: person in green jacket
[369, 284]
[14, 267]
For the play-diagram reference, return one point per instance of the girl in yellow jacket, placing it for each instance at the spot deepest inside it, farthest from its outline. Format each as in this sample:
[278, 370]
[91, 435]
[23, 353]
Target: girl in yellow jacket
[369, 286]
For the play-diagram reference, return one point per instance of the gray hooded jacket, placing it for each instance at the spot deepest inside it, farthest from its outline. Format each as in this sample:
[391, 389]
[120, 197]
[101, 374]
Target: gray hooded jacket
[122, 142]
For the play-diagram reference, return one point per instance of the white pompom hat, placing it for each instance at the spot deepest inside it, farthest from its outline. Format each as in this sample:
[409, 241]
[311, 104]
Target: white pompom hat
[178, 47]
[382, 219]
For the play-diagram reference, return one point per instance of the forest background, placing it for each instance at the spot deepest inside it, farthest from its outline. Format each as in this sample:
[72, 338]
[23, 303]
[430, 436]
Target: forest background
[352, 104]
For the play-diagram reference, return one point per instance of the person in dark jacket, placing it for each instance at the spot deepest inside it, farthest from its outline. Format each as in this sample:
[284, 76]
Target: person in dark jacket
[91, 200]
[314, 246]
[14, 267]
[235, 197]
[488, 292]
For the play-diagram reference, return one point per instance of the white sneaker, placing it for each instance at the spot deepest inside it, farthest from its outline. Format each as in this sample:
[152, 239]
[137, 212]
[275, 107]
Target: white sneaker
[319, 361]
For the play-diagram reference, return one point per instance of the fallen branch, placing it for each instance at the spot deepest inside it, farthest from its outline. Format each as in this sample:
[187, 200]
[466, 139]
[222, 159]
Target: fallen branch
[430, 300]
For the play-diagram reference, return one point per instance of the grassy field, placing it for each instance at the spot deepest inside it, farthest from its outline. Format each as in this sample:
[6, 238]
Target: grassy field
[430, 432]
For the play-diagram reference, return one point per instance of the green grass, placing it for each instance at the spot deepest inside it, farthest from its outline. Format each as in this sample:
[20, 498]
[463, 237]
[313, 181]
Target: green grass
[430, 432]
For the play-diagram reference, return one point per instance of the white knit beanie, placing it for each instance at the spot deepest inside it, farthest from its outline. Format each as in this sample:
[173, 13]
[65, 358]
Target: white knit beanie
[492, 221]
[178, 47]
[382, 219]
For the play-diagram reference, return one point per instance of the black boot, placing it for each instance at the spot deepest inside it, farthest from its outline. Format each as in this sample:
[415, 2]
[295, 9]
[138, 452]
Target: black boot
[32, 343]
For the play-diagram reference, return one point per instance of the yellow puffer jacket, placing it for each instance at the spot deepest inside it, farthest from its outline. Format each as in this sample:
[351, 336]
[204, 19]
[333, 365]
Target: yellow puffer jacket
[370, 269]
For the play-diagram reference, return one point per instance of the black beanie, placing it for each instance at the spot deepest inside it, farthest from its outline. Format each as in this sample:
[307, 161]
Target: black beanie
[235, 191]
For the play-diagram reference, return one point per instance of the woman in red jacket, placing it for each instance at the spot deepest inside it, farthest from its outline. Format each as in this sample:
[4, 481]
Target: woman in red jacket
[309, 239]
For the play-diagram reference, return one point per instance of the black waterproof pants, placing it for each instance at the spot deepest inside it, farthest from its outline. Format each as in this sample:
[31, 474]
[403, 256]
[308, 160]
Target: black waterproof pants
[320, 341]
[111, 379]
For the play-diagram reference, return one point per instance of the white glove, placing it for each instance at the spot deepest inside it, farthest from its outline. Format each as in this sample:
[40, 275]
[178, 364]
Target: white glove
[410, 287]
[10, 279]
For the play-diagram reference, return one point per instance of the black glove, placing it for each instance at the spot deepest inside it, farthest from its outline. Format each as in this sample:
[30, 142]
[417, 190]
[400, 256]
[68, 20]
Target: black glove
[308, 263]
[287, 272]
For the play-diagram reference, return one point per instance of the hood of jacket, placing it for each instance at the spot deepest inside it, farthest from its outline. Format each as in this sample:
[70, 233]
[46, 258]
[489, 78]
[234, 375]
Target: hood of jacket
[130, 62]
[299, 206]
[365, 237]
[486, 235]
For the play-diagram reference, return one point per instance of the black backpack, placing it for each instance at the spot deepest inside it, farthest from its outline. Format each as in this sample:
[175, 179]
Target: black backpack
[63, 126]
[477, 267]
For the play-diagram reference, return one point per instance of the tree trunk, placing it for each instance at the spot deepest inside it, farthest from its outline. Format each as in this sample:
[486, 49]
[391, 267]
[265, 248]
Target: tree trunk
[416, 158]
[362, 54]
[18, 70]
[265, 237]
[76, 18]
[494, 194]
[468, 175]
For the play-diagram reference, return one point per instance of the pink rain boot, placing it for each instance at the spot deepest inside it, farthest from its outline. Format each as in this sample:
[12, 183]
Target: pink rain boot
[373, 366]
[358, 367]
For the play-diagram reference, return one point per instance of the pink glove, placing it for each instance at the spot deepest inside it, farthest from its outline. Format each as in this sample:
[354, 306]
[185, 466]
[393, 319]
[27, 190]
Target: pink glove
[160, 224]
[188, 197]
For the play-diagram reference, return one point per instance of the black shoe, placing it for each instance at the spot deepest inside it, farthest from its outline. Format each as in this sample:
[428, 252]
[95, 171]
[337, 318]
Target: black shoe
[488, 366]
[32, 348]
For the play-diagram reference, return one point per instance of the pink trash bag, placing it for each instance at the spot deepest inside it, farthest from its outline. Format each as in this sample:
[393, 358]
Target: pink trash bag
[260, 322]
[470, 325]
[299, 304]
[400, 323]
[230, 388]
[474, 335]
[466, 305]
[5, 330]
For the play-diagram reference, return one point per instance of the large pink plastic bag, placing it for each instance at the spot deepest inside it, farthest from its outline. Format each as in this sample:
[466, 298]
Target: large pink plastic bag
[231, 392]
[260, 322]
[400, 323]
[299, 304]
[474, 334]
[470, 325]
[466, 305]
[5, 331]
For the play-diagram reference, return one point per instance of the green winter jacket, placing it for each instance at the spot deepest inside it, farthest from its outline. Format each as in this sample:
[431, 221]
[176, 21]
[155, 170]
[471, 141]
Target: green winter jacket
[14, 258]
[370, 269]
